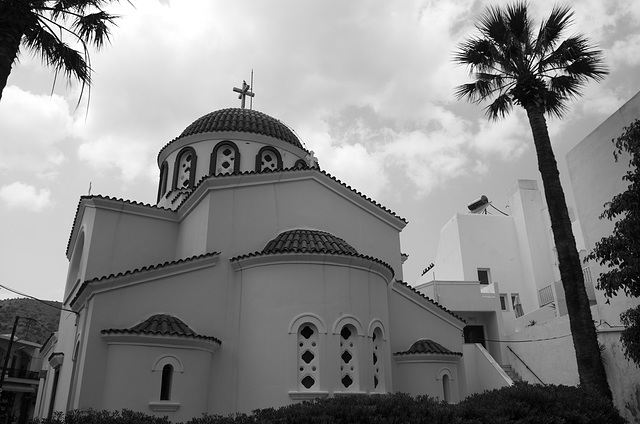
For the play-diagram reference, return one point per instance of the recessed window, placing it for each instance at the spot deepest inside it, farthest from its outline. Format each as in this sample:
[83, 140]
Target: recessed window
[225, 159]
[308, 363]
[517, 306]
[377, 361]
[484, 275]
[164, 175]
[504, 304]
[348, 358]
[268, 159]
[184, 174]
[165, 387]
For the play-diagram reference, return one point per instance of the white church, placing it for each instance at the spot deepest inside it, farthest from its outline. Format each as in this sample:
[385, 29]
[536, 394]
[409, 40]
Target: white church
[256, 280]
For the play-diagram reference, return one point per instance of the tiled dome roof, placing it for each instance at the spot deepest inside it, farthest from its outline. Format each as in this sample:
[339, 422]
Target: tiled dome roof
[308, 241]
[242, 120]
[428, 346]
[161, 324]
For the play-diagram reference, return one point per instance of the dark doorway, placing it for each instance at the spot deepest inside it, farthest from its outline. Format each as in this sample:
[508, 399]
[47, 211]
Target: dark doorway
[474, 334]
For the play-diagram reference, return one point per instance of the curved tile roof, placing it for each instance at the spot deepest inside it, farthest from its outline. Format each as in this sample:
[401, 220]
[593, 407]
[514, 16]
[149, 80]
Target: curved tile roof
[308, 241]
[427, 346]
[240, 120]
[162, 325]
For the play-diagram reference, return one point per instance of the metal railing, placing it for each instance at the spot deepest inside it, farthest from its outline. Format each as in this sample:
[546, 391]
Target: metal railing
[526, 366]
[21, 373]
[545, 296]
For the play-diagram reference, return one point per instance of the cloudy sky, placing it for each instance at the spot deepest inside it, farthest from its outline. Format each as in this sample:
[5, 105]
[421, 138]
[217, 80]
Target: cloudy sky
[367, 84]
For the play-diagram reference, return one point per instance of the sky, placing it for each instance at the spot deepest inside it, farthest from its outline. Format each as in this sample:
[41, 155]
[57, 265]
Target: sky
[366, 84]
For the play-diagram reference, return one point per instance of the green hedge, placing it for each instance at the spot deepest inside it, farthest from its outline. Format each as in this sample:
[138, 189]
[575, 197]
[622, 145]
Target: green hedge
[522, 403]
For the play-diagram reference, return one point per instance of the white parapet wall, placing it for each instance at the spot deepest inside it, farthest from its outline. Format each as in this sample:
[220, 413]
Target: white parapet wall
[482, 371]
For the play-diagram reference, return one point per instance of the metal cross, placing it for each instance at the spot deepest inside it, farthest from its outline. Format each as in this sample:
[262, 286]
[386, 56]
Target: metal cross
[244, 92]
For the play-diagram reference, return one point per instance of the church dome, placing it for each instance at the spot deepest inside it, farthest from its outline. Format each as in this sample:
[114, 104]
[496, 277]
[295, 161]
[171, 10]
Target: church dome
[308, 241]
[242, 120]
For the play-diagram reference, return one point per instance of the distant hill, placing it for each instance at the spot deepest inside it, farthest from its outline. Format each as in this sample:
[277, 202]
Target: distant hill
[46, 316]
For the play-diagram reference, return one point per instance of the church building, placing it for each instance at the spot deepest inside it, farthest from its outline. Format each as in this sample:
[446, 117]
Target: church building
[256, 280]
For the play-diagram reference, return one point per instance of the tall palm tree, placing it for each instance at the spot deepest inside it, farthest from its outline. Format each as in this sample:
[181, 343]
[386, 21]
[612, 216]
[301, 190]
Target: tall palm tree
[46, 27]
[512, 63]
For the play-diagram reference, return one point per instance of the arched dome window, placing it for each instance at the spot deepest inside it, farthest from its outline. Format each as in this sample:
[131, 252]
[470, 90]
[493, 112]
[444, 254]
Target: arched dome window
[184, 173]
[349, 359]
[268, 158]
[377, 358]
[225, 159]
[164, 176]
[301, 164]
[308, 357]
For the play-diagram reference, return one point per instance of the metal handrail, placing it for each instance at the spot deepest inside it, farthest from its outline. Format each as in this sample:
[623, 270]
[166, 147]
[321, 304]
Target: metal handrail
[527, 366]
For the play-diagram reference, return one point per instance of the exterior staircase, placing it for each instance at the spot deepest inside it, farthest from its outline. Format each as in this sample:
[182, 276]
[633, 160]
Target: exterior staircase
[511, 373]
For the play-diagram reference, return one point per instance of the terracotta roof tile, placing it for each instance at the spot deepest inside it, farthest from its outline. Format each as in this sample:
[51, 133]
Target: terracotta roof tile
[427, 346]
[164, 325]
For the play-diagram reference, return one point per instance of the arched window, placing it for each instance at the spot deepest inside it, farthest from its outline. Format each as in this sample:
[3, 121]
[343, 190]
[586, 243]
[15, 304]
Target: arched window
[268, 158]
[349, 358]
[300, 164]
[164, 176]
[225, 159]
[184, 173]
[377, 359]
[165, 386]
[445, 388]
[308, 357]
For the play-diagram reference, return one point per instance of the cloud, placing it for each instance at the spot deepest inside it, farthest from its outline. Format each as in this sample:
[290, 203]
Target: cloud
[23, 196]
[33, 129]
[130, 158]
[507, 138]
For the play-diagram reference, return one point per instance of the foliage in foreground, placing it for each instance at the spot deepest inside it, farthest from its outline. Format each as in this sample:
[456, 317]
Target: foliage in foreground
[522, 403]
[620, 251]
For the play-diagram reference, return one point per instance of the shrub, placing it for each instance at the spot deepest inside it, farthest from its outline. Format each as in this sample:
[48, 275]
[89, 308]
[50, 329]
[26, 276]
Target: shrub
[525, 403]
[519, 404]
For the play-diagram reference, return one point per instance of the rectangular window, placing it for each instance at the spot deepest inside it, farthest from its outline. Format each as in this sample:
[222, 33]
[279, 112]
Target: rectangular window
[504, 304]
[484, 275]
[517, 306]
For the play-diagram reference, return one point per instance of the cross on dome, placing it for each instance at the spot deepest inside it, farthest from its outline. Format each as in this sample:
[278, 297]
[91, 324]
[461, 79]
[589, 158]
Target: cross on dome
[244, 92]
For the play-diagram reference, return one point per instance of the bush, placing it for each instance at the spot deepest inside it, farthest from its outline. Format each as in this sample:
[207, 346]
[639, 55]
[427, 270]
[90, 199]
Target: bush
[525, 403]
[519, 404]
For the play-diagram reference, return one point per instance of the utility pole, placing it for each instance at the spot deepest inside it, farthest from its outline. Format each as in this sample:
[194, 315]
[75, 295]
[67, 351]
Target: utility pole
[8, 354]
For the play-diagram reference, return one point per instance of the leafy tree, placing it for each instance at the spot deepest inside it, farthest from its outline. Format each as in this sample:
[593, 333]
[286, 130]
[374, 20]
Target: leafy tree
[513, 64]
[42, 26]
[621, 250]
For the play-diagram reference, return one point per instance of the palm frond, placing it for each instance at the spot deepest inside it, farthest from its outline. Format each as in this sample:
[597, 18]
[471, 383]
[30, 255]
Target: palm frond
[94, 28]
[57, 54]
[565, 86]
[477, 53]
[492, 24]
[559, 20]
[519, 24]
[500, 107]
[554, 104]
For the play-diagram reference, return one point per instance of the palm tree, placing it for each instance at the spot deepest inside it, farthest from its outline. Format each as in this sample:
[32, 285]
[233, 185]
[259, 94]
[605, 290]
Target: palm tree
[42, 26]
[512, 63]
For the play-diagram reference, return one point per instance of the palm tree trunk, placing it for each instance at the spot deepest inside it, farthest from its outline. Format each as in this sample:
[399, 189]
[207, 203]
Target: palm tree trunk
[10, 37]
[585, 341]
